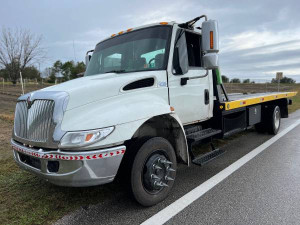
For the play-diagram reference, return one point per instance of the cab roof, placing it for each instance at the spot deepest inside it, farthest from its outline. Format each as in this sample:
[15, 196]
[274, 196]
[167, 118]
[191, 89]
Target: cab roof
[138, 28]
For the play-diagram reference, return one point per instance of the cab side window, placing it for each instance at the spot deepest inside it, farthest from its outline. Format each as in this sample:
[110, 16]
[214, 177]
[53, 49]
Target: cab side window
[193, 43]
[187, 52]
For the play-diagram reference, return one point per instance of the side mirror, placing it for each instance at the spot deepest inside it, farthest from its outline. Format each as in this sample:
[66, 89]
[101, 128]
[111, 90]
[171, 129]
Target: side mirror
[176, 62]
[180, 60]
[210, 36]
[87, 60]
[210, 61]
[210, 44]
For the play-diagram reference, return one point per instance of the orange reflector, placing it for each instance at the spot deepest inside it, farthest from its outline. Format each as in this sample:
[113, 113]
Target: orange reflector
[121, 32]
[172, 109]
[163, 23]
[113, 35]
[88, 137]
[211, 40]
[129, 30]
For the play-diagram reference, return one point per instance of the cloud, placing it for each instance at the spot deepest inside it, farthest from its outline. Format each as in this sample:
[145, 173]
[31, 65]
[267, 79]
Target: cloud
[257, 38]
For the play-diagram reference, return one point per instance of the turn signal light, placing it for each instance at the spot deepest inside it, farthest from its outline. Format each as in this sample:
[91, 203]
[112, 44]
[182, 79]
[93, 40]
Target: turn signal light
[211, 40]
[88, 137]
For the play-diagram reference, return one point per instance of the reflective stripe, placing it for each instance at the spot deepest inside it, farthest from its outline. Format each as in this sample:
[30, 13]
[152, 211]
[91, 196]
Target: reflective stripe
[72, 156]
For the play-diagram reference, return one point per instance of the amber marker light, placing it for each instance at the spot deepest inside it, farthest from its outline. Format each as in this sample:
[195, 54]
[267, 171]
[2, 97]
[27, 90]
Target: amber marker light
[163, 23]
[172, 109]
[113, 35]
[88, 137]
[121, 32]
[211, 40]
[130, 29]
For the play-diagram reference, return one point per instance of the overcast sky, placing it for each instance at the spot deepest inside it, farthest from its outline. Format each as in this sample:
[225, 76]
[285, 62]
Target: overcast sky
[257, 38]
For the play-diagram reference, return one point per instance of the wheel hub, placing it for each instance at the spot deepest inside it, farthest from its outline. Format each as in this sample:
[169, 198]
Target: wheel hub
[157, 173]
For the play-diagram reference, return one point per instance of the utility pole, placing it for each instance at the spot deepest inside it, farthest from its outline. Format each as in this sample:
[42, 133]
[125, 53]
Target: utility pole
[74, 52]
[22, 82]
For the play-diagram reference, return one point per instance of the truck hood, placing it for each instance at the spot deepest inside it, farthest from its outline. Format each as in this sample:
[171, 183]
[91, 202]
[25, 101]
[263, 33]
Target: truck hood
[89, 89]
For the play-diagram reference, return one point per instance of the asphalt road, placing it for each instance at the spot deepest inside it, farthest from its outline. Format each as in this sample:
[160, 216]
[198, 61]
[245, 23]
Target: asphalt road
[266, 190]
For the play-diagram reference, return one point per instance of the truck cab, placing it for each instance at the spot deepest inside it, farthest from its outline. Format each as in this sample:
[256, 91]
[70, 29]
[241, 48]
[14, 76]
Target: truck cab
[148, 93]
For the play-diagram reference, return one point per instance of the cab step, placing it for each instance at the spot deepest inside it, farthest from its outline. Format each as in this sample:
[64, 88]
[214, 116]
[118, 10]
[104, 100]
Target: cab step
[192, 129]
[202, 134]
[205, 158]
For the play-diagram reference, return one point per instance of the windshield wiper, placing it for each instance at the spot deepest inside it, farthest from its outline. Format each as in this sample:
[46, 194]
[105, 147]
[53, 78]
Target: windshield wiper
[115, 71]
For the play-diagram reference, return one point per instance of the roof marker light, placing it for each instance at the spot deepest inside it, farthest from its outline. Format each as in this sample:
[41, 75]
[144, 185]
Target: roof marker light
[113, 35]
[130, 29]
[163, 23]
[121, 32]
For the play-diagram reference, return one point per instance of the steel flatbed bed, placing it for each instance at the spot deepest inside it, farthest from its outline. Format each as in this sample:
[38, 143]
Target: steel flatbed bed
[242, 100]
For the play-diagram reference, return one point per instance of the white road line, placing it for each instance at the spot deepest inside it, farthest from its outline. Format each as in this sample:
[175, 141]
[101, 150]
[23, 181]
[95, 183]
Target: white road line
[167, 213]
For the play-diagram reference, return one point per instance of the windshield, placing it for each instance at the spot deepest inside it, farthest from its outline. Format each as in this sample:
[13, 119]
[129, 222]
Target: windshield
[140, 50]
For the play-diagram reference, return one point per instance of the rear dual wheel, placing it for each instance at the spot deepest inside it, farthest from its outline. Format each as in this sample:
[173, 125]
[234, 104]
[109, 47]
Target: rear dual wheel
[271, 120]
[153, 171]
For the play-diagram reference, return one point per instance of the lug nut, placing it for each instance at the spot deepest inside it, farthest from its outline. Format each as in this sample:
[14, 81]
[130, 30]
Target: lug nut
[169, 178]
[157, 167]
[160, 184]
[170, 169]
[153, 176]
[166, 162]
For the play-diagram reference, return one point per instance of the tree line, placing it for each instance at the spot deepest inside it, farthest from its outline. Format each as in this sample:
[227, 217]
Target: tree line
[21, 51]
[64, 71]
[284, 80]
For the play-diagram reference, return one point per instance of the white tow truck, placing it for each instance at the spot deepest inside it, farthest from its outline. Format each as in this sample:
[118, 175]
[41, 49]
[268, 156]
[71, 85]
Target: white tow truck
[149, 93]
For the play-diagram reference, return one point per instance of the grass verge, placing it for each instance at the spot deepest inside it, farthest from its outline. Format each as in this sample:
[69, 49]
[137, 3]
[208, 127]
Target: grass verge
[26, 199]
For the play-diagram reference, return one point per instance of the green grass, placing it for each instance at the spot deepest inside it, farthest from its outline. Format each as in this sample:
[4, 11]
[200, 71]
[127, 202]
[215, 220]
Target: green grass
[296, 100]
[26, 199]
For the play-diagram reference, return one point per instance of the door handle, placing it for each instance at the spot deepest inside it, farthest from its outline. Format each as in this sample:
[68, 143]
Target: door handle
[206, 96]
[183, 80]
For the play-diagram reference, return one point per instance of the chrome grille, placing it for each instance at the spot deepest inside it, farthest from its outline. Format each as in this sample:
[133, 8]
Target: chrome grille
[35, 123]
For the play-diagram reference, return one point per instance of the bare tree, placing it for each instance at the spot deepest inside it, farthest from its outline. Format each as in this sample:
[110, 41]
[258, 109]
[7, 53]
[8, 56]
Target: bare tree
[19, 48]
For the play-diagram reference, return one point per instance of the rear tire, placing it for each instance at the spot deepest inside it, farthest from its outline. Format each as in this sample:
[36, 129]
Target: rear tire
[153, 171]
[273, 119]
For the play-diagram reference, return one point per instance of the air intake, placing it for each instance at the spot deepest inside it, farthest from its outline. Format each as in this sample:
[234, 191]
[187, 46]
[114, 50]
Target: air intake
[143, 83]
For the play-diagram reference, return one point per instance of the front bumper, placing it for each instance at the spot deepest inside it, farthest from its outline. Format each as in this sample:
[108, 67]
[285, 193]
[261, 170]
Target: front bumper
[76, 169]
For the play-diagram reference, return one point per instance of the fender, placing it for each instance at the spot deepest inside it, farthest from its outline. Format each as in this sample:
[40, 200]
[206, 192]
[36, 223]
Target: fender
[184, 152]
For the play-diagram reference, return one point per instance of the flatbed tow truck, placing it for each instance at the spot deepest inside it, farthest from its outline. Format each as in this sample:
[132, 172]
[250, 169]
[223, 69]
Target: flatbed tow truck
[148, 95]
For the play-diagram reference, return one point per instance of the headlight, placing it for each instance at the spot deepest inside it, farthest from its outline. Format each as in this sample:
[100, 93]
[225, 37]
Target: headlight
[84, 138]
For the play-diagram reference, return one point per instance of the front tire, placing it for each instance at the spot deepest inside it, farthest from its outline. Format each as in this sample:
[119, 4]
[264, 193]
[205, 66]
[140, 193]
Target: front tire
[153, 171]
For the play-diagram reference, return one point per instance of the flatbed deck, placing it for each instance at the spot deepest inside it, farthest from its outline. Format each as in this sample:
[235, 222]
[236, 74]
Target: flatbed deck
[242, 100]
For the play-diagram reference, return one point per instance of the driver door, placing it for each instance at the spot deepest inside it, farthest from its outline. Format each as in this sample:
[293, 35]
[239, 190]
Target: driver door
[189, 83]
